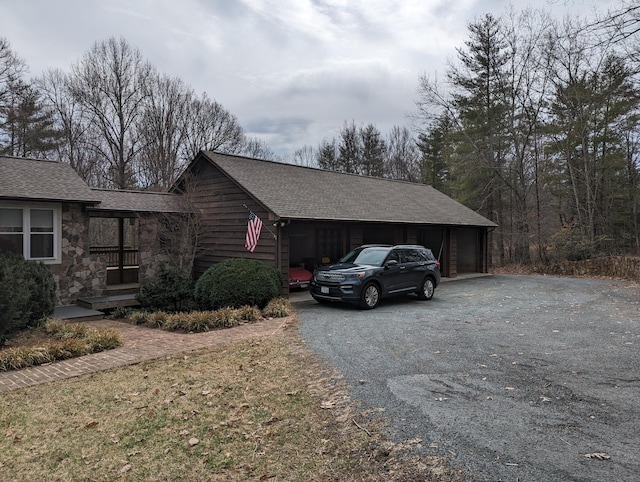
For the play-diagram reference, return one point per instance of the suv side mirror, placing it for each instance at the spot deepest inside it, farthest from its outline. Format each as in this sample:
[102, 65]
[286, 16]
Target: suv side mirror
[391, 262]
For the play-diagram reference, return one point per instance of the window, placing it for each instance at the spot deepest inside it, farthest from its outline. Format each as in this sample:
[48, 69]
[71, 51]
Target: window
[31, 232]
[11, 230]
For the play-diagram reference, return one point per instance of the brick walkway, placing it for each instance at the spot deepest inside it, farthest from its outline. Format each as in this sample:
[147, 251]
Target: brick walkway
[139, 344]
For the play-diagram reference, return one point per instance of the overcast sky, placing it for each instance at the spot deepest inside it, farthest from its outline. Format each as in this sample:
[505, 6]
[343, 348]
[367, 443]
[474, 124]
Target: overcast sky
[291, 71]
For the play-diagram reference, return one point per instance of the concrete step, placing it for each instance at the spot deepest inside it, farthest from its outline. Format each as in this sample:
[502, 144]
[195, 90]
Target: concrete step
[77, 313]
[109, 302]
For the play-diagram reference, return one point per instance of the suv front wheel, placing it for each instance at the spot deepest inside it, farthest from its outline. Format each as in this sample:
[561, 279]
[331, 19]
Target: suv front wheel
[370, 296]
[426, 289]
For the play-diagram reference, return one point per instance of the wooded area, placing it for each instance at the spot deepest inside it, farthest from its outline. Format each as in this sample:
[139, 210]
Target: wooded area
[535, 126]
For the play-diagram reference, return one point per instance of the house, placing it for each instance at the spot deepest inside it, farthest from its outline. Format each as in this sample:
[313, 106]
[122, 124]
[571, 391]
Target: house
[312, 216]
[98, 241]
[93, 240]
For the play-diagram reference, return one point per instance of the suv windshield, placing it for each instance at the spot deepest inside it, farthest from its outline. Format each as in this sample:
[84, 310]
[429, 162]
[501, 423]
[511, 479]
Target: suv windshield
[367, 256]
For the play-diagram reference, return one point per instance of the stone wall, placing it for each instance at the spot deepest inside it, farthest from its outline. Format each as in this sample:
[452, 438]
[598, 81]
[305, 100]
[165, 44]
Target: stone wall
[80, 274]
[622, 267]
[150, 251]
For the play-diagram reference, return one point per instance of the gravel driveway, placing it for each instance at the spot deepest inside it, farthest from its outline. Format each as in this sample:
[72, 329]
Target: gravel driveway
[515, 377]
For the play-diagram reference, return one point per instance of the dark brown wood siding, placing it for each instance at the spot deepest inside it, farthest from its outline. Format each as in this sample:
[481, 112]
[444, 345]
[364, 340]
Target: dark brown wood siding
[224, 221]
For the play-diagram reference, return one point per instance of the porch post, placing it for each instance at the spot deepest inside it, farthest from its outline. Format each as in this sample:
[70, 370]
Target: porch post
[121, 250]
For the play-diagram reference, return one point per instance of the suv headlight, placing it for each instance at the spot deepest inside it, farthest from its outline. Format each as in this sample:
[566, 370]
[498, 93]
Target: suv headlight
[354, 275]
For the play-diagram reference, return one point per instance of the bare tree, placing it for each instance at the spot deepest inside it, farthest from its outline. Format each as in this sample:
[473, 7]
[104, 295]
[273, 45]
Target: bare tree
[305, 156]
[402, 156]
[179, 233]
[12, 68]
[73, 122]
[111, 83]
[163, 129]
[257, 148]
[211, 127]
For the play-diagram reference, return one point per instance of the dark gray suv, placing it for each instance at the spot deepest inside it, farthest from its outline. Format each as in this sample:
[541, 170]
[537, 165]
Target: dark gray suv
[372, 272]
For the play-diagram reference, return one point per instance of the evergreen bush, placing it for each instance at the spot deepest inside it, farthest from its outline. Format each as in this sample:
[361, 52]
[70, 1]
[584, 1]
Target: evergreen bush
[27, 293]
[237, 282]
[173, 291]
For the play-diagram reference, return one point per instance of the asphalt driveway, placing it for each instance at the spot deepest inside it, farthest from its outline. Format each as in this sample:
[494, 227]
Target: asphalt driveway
[514, 377]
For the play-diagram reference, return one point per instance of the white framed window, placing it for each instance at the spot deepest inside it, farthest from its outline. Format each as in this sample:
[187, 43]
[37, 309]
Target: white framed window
[32, 231]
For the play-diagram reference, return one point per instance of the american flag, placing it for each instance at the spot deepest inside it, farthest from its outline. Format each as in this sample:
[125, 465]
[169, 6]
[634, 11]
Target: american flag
[253, 232]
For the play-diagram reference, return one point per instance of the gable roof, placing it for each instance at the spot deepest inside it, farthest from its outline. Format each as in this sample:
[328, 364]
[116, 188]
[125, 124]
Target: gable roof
[35, 179]
[137, 201]
[297, 192]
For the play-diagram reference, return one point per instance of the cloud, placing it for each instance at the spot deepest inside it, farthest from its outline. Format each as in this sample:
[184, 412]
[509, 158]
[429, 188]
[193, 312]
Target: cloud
[291, 71]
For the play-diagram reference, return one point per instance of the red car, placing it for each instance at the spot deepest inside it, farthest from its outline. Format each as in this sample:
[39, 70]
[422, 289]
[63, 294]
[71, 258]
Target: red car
[299, 278]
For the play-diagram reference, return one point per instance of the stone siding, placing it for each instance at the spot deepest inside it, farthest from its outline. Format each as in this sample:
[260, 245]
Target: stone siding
[150, 251]
[80, 274]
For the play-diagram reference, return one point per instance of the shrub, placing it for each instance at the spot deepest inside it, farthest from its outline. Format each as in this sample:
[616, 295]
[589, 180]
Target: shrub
[249, 313]
[237, 282]
[157, 319]
[71, 340]
[120, 312]
[139, 317]
[27, 293]
[61, 330]
[226, 318]
[277, 308]
[173, 291]
[197, 321]
[100, 340]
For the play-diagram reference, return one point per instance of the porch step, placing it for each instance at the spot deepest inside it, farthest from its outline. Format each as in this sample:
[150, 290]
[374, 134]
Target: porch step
[109, 302]
[76, 313]
[122, 289]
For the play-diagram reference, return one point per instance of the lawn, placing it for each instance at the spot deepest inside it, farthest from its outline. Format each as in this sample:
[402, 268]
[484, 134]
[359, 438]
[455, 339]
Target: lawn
[262, 409]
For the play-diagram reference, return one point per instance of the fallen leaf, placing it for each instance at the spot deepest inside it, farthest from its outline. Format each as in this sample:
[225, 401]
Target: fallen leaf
[327, 405]
[206, 392]
[193, 441]
[545, 399]
[184, 432]
[598, 455]
[126, 468]
[91, 424]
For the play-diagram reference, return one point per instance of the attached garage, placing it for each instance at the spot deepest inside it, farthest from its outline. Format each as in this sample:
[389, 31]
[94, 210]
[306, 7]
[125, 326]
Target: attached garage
[312, 217]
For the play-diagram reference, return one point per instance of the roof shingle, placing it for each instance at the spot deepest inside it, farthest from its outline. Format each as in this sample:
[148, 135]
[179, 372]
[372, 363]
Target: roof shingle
[297, 192]
[23, 178]
[138, 201]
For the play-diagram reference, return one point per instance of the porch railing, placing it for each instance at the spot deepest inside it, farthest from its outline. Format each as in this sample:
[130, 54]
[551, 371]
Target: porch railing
[112, 256]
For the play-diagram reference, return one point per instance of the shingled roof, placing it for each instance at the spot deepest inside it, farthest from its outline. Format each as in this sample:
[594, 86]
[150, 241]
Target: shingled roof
[34, 179]
[296, 192]
[137, 201]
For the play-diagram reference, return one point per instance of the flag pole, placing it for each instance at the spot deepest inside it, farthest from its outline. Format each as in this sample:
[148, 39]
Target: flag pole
[263, 225]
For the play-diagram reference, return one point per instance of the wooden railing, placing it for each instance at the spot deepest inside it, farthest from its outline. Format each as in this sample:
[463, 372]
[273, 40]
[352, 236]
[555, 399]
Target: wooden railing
[112, 256]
